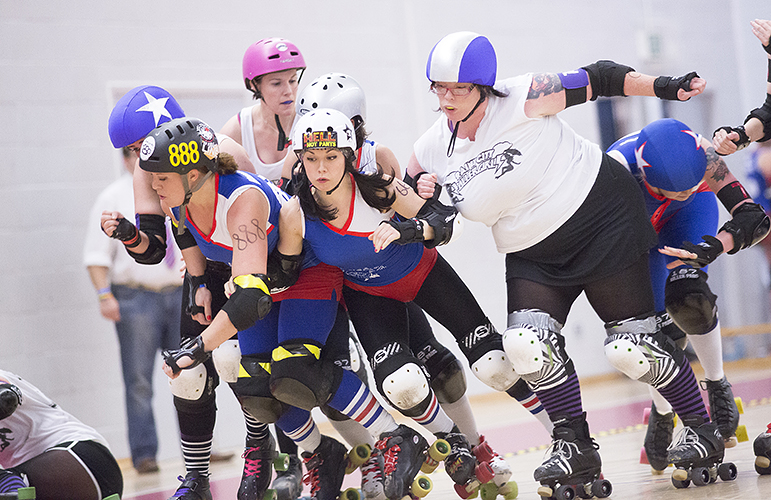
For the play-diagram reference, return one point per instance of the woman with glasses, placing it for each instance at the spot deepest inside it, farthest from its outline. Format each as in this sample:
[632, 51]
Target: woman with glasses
[569, 219]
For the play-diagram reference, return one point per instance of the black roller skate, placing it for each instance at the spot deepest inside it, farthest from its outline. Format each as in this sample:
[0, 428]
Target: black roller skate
[723, 409]
[462, 466]
[762, 449]
[698, 454]
[658, 437]
[259, 458]
[403, 452]
[288, 484]
[13, 486]
[574, 465]
[195, 486]
[372, 476]
[325, 469]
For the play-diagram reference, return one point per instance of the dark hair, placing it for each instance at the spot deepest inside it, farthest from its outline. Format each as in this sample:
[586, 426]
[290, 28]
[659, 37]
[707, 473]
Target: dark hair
[373, 188]
[489, 91]
[226, 165]
[256, 95]
[361, 131]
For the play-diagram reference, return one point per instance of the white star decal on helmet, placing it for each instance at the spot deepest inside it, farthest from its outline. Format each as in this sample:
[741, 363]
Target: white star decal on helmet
[695, 136]
[157, 107]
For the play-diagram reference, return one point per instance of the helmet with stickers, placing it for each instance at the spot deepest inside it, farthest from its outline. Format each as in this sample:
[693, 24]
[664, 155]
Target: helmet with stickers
[324, 128]
[180, 146]
[463, 57]
[139, 111]
[268, 56]
[335, 91]
[669, 155]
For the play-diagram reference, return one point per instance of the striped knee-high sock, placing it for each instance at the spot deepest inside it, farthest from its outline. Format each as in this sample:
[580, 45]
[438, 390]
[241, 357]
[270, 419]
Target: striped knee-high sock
[565, 399]
[683, 393]
[255, 430]
[433, 418]
[299, 426]
[196, 452]
[527, 398]
[355, 400]
[10, 481]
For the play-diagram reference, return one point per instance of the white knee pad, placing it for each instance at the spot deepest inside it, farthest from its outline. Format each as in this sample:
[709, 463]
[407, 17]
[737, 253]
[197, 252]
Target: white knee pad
[523, 347]
[354, 355]
[625, 357]
[495, 370]
[190, 383]
[406, 387]
[227, 360]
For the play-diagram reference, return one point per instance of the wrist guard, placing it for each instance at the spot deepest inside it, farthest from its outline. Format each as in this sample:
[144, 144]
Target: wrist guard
[607, 78]
[744, 139]
[442, 219]
[749, 225]
[190, 348]
[250, 302]
[10, 399]
[763, 114]
[193, 284]
[413, 183]
[666, 87]
[283, 270]
[127, 233]
[706, 251]
[154, 226]
[731, 195]
[410, 230]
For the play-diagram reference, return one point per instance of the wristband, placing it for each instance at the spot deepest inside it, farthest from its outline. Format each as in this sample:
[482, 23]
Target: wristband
[104, 293]
[731, 195]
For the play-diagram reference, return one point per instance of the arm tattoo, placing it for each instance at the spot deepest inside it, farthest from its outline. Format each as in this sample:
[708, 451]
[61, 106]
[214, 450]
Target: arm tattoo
[248, 235]
[544, 84]
[401, 188]
[716, 167]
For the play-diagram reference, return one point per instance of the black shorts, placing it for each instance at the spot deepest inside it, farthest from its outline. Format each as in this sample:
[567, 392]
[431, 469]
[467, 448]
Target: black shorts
[608, 232]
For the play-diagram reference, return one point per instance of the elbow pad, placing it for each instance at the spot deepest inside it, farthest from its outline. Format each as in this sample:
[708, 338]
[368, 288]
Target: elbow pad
[184, 240]
[443, 219]
[250, 302]
[763, 114]
[607, 78]
[154, 226]
[749, 225]
[10, 399]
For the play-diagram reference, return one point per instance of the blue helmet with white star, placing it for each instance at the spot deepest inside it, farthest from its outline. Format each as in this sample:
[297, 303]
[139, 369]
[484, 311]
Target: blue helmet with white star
[669, 155]
[139, 111]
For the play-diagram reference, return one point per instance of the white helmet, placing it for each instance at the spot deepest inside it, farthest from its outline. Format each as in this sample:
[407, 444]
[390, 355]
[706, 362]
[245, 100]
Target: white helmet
[323, 128]
[335, 91]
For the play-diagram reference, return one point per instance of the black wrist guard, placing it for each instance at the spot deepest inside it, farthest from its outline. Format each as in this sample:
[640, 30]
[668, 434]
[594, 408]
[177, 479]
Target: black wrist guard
[706, 251]
[763, 114]
[731, 195]
[666, 87]
[607, 78]
[250, 302]
[749, 225]
[413, 183]
[154, 226]
[744, 139]
[193, 284]
[190, 348]
[127, 233]
[283, 270]
[10, 399]
[410, 230]
[442, 219]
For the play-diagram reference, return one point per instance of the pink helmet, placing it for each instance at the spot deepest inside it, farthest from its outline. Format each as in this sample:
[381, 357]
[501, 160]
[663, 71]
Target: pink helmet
[270, 55]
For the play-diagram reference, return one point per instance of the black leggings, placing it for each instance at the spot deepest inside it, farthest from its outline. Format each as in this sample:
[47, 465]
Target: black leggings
[623, 295]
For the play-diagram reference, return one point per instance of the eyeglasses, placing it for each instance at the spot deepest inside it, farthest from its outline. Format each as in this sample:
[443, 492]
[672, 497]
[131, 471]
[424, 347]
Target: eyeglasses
[441, 90]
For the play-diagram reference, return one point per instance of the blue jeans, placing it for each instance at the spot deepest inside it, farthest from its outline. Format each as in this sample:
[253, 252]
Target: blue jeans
[149, 322]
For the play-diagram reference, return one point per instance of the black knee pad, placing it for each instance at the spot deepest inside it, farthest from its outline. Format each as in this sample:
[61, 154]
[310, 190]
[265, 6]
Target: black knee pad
[301, 377]
[253, 390]
[668, 327]
[689, 301]
[447, 377]
[478, 342]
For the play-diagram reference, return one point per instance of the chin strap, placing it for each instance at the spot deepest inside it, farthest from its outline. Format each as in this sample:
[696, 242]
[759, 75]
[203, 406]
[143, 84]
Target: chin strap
[188, 194]
[451, 147]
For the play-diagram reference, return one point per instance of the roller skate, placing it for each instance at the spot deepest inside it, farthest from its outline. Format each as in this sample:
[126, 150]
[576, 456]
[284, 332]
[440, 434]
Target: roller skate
[372, 476]
[462, 466]
[573, 466]
[403, 453]
[500, 484]
[658, 437]
[13, 486]
[195, 486]
[288, 484]
[259, 459]
[325, 469]
[698, 454]
[762, 449]
[724, 409]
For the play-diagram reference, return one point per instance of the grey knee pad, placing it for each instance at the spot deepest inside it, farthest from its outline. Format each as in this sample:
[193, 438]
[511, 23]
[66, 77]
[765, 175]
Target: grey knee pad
[536, 348]
[301, 377]
[253, 391]
[690, 302]
[638, 349]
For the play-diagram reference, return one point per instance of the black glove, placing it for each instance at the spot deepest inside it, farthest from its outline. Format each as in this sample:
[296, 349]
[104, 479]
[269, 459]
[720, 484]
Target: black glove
[744, 139]
[126, 232]
[191, 348]
[666, 87]
[706, 251]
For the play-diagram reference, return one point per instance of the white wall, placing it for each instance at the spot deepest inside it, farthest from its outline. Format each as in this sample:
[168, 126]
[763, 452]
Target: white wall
[63, 64]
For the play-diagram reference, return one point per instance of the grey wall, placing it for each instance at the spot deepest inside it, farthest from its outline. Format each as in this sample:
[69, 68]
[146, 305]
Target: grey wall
[63, 65]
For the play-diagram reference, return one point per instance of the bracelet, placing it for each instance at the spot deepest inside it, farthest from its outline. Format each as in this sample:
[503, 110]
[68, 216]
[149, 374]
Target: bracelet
[104, 293]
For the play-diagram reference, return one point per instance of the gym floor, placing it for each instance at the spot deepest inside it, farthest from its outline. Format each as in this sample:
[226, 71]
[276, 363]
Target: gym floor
[615, 407]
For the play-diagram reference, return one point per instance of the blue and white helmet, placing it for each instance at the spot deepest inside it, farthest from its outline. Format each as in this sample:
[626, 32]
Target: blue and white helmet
[463, 57]
[139, 111]
[669, 155]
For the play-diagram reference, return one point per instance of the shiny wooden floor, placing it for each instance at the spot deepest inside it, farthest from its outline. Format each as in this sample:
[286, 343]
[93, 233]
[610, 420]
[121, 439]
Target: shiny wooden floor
[615, 409]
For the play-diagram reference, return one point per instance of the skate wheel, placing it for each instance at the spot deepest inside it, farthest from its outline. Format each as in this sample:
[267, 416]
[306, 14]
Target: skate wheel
[602, 488]
[730, 442]
[428, 468]
[488, 491]
[741, 434]
[439, 450]
[111, 497]
[646, 415]
[700, 476]
[484, 472]
[421, 486]
[270, 495]
[644, 457]
[281, 462]
[727, 471]
[680, 475]
[483, 452]
[29, 493]
[564, 492]
[359, 454]
[545, 491]
[739, 405]
[680, 484]
[509, 490]
[466, 491]
[351, 494]
[762, 465]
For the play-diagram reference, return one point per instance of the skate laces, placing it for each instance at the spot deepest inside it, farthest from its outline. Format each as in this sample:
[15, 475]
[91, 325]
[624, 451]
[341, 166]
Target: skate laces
[251, 465]
[560, 451]
[390, 453]
[311, 478]
[686, 437]
[370, 470]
